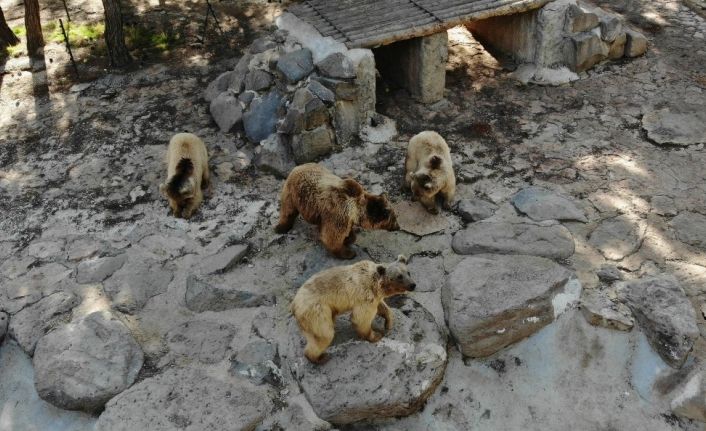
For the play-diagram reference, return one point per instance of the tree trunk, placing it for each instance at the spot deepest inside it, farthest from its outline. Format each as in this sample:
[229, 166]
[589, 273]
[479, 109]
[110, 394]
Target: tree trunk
[7, 37]
[114, 38]
[35, 40]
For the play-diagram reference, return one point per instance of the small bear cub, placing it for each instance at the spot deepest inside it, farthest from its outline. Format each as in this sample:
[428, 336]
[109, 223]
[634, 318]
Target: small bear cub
[187, 174]
[360, 288]
[428, 170]
[336, 205]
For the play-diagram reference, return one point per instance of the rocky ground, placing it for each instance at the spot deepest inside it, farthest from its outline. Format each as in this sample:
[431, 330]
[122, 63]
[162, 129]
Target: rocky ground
[123, 317]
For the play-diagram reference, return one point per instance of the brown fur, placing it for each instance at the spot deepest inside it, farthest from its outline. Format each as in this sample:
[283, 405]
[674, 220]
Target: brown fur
[336, 205]
[360, 288]
[428, 170]
[187, 174]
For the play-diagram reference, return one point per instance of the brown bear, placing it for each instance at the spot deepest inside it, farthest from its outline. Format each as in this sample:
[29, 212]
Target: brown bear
[336, 205]
[187, 174]
[360, 288]
[428, 170]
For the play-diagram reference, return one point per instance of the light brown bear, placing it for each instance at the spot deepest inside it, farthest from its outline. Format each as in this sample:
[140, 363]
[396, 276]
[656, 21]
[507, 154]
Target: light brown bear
[187, 174]
[428, 170]
[336, 205]
[360, 288]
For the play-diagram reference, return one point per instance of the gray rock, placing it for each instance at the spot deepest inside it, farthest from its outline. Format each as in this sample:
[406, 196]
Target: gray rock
[313, 109]
[261, 44]
[298, 415]
[224, 260]
[617, 237]
[98, 269]
[690, 228]
[257, 80]
[617, 47]
[274, 156]
[578, 20]
[4, 320]
[246, 97]
[136, 282]
[31, 323]
[664, 313]
[237, 79]
[542, 204]
[296, 65]
[33, 286]
[337, 65]
[82, 365]
[587, 49]
[636, 44]
[204, 341]
[689, 400]
[609, 273]
[189, 399]
[201, 296]
[45, 249]
[475, 209]
[553, 241]
[83, 248]
[365, 381]
[611, 27]
[343, 90]
[415, 219]
[256, 361]
[261, 117]
[226, 111]
[676, 125]
[599, 310]
[491, 301]
[280, 35]
[345, 122]
[428, 272]
[323, 93]
[218, 85]
[310, 145]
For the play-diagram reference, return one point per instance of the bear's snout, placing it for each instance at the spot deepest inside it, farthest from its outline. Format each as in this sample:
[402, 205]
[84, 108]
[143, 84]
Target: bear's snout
[412, 286]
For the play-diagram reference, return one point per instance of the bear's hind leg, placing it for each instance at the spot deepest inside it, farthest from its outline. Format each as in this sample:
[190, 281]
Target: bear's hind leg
[287, 216]
[318, 338]
[335, 241]
[362, 319]
[447, 194]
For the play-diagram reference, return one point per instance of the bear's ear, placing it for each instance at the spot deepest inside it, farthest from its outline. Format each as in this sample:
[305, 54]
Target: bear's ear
[381, 270]
[402, 259]
[435, 162]
[376, 210]
[352, 187]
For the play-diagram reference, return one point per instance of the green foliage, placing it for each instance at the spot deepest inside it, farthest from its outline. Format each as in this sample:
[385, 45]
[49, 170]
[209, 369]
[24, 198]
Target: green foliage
[19, 30]
[79, 34]
[139, 37]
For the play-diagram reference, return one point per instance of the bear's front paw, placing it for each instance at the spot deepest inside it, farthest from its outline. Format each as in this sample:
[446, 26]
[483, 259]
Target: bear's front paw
[388, 325]
[374, 336]
[433, 210]
[345, 253]
[281, 229]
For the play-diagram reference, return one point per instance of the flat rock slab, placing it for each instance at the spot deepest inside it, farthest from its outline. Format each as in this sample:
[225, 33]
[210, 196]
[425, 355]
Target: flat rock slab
[32, 322]
[33, 286]
[136, 282]
[475, 209]
[364, 380]
[690, 400]
[599, 310]
[664, 313]
[202, 296]
[413, 218]
[204, 341]
[224, 259]
[554, 241]
[82, 365]
[542, 204]
[681, 125]
[187, 399]
[617, 237]
[690, 229]
[492, 301]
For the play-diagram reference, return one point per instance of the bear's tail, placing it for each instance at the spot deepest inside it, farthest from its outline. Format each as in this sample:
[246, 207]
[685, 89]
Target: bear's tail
[184, 169]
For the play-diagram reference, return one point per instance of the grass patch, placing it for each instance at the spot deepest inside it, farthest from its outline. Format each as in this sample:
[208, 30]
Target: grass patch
[19, 30]
[144, 39]
[79, 34]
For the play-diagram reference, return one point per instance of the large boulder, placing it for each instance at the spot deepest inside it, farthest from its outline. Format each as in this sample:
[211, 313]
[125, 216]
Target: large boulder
[296, 65]
[226, 111]
[363, 380]
[82, 365]
[491, 301]
[261, 118]
[552, 241]
[676, 125]
[664, 313]
[275, 156]
[187, 399]
[32, 322]
[542, 204]
[310, 145]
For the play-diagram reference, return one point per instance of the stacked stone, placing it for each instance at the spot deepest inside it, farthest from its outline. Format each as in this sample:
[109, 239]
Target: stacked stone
[296, 109]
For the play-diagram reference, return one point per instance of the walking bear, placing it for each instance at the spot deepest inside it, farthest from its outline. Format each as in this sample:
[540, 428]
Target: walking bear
[187, 174]
[336, 205]
[360, 288]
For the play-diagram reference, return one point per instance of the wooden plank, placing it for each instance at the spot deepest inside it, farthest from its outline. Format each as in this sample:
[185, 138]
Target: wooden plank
[366, 33]
[378, 12]
[383, 20]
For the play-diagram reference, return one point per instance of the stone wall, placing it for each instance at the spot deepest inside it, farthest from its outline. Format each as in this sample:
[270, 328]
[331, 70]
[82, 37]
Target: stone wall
[554, 43]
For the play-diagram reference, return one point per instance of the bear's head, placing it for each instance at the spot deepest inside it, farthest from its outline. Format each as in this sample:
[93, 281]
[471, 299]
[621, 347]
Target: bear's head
[395, 278]
[378, 213]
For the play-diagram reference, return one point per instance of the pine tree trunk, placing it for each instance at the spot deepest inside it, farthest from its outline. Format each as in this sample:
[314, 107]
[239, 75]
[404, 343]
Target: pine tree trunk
[7, 37]
[35, 40]
[114, 38]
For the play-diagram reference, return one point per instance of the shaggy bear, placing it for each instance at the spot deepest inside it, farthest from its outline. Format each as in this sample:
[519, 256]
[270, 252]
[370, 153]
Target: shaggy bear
[187, 174]
[336, 205]
[428, 170]
[360, 288]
